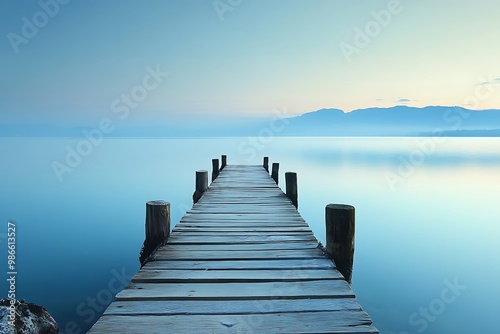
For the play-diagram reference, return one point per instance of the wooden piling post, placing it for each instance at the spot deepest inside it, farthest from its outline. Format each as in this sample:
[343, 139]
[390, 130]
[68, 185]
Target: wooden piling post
[291, 188]
[266, 164]
[340, 237]
[201, 184]
[157, 228]
[215, 169]
[274, 172]
[223, 161]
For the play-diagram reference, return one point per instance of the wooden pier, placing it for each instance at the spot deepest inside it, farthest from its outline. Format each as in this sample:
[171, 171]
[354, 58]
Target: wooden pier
[242, 260]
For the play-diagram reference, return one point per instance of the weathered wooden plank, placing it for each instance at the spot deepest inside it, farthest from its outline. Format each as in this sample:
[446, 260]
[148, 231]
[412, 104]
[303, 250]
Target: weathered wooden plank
[245, 247]
[178, 307]
[275, 212]
[238, 207]
[251, 190]
[272, 203]
[208, 233]
[244, 176]
[248, 228]
[242, 264]
[251, 182]
[236, 291]
[233, 276]
[235, 239]
[289, 212]
[264, 202]
[339, 322]
[261, 218]
[240, 224]
[178, 255]
[246, 190]
[245, 216]
[241, 227]
[231, 186]
[246, 209]
[239, 176]
[270, 200]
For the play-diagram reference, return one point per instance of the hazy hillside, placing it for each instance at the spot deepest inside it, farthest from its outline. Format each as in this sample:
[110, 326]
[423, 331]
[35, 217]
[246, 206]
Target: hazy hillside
[395, 121]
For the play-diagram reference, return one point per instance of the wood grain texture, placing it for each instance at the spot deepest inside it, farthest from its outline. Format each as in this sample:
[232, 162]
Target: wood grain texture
[338, 322]
[185, 227]
[242, 264]
[239, 254]
[177, 238]
[246, 247]
[233, 276]
[177, 307]
[236, 291]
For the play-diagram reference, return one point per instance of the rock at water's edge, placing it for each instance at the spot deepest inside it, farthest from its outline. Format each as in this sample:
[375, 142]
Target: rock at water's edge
[29, 318]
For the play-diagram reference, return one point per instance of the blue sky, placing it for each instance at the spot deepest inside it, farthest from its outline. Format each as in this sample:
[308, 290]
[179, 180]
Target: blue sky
[242, 58]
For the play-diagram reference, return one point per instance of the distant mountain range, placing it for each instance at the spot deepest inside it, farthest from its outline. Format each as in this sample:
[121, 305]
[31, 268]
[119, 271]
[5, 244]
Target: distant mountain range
[397, 121]
[393, 121]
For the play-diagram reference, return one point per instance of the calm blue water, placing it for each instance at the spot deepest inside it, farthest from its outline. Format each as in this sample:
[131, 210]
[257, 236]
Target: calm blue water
[427, 233]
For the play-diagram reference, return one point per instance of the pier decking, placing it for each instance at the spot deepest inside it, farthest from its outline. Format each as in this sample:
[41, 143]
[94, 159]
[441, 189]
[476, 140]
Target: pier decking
[242, 260]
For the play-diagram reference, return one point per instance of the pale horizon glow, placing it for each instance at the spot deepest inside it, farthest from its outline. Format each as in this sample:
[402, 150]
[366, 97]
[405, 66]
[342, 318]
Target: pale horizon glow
[259, 57]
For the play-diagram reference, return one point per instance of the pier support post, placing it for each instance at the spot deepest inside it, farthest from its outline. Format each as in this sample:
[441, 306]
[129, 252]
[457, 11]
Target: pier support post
[157, 228]
[340, 237]
[274, 172]
[223, 161]
[201, 184]
[291, 188]
[215, 169]
[265, 164]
